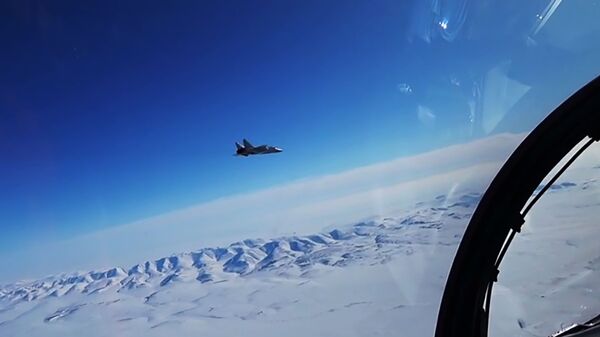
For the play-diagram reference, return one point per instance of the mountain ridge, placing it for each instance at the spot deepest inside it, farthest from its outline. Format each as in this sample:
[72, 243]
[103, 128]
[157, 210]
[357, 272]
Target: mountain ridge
[334, 248]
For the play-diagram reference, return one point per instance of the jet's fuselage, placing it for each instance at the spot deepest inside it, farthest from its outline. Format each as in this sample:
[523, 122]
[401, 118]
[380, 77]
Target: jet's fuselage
[248, 150]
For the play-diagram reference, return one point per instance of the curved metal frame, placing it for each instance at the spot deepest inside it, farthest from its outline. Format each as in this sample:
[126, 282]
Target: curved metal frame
[463, 310]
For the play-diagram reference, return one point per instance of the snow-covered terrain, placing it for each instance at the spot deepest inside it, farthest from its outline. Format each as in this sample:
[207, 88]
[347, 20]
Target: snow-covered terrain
[550, 277]
[355, 281]
[379, 277]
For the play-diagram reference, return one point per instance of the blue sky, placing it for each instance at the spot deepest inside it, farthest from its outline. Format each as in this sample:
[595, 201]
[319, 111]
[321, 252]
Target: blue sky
[111, 112]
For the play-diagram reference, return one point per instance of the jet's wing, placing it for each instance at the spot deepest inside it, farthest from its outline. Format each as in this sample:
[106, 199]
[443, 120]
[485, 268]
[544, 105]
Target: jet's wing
[238, 146]
[247, 144]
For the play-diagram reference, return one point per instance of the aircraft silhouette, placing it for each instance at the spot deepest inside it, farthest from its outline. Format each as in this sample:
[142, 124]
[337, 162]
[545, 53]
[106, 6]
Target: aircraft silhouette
[248, 149]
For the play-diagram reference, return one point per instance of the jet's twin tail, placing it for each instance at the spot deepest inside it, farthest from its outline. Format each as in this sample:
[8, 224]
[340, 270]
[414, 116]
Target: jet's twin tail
[247, 144]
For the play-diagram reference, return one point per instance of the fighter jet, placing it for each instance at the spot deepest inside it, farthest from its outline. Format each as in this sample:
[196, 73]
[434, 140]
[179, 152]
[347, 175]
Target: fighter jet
[248, 149]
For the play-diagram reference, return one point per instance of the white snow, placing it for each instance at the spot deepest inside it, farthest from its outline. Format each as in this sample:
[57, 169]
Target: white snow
[550, 277]
[353, 280]
[382, 276]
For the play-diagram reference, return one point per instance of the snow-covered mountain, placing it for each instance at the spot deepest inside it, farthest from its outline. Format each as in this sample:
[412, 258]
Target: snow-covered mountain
[264, 281]
[383, 276]
[373, 241]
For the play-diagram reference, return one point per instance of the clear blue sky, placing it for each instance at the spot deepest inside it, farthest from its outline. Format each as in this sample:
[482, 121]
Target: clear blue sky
[112, 111]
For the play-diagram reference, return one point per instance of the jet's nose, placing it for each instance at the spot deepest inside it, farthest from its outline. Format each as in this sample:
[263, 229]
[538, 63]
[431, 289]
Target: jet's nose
[277, 149]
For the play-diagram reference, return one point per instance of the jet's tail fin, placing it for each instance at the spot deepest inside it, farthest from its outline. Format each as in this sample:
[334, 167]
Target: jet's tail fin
[238, 146]
[247, 144]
